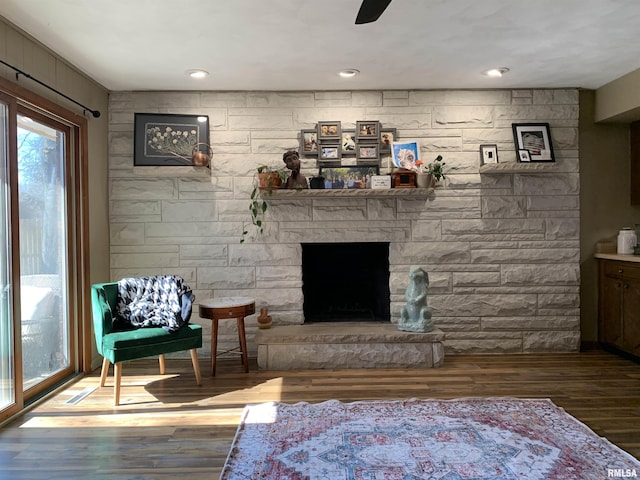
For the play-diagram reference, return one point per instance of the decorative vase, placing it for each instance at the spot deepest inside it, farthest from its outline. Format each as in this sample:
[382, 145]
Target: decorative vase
[264, 319]
[425, 180]
[269, 181]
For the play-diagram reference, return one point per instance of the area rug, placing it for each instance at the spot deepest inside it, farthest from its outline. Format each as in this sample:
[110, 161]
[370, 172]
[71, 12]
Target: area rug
[466, 439]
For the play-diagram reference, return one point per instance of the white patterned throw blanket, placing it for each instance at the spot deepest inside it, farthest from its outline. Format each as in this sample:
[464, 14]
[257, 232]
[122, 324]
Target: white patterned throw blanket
[465, 439]
[155, 301]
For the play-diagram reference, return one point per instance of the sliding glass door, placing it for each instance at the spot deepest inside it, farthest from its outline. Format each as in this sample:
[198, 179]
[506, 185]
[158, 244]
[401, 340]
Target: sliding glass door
[39, 232]
[42, 151]
[7, 370]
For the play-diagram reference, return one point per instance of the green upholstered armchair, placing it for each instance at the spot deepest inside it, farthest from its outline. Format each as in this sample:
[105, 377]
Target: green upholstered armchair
[118, 346]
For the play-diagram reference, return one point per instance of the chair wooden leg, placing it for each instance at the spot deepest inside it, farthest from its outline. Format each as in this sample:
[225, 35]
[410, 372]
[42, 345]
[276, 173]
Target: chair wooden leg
[105, 371]
[117, 375]
[161, 362]
[196, 365]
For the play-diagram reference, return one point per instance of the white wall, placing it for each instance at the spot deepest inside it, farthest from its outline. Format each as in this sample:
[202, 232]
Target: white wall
[502, 250]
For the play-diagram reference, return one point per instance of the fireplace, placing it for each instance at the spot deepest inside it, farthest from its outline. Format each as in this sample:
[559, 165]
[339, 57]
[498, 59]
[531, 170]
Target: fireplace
[346, 282]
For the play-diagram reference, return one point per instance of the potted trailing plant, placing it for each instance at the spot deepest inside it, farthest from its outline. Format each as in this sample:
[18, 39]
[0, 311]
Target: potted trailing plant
[430, 174]
[266, 179]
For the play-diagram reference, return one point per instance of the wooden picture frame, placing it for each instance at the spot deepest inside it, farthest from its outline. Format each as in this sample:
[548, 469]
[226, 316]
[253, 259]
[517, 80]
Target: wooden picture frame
[535, 137]
[329, 131]
[368, 130]
[488, 154]
[337, 178]
[168, 139]
[308, 143]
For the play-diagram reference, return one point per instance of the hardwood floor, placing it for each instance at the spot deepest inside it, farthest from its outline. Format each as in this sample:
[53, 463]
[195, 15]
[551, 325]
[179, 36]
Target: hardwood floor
[167, 427]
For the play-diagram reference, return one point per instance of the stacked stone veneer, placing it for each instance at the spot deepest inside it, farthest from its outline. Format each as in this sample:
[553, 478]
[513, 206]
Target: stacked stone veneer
[501, 249]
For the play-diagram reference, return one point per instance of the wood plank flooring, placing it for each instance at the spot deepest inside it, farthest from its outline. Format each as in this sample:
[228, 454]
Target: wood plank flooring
[168, 427]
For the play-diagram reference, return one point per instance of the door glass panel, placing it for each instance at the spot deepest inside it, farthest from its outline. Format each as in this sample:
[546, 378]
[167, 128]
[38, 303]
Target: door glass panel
[43, 250]
[7, 390]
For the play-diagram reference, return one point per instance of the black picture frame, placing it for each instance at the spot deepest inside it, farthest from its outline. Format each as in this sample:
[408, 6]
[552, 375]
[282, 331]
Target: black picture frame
[524, 156]
[535, 137]
[308, 143]
[164, 139]
[332, 176]
[387, 137]
[368, 130]
[488, 154]
[329, 131]
[349, 143]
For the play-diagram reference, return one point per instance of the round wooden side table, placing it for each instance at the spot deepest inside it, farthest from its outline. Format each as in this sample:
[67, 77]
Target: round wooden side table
[225, 308]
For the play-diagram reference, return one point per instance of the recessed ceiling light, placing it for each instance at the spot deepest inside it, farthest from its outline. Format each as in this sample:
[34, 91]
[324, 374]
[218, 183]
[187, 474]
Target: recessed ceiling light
[197, 73]
[348, 73]
[496, 72]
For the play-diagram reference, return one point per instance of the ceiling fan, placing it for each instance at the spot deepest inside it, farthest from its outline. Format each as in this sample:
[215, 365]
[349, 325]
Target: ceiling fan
[370, 10]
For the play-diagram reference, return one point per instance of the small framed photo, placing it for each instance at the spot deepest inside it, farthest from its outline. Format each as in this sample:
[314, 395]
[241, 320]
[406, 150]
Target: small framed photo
[168, 139]
[348, 142]
[309, 143]
[368, 151]
[368, 130]
[387, 137]
[329, 152]
[524, 156]
[329, 131]
[405, 154]
[536, 138]
[338, 178]
[488, 154]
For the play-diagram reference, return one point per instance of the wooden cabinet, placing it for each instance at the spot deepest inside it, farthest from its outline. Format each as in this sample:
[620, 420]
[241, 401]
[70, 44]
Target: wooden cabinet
[619, 305]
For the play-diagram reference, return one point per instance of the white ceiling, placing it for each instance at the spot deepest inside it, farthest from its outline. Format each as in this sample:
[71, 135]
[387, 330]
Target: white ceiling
[301, 44]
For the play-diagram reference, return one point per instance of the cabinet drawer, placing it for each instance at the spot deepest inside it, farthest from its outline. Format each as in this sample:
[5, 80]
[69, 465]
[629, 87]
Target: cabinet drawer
[621, 269]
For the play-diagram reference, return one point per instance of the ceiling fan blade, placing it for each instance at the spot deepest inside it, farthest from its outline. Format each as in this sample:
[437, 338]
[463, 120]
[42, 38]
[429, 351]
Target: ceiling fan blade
[370, 10]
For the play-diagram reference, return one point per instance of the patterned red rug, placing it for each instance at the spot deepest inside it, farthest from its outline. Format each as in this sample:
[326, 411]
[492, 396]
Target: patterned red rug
[466, 439]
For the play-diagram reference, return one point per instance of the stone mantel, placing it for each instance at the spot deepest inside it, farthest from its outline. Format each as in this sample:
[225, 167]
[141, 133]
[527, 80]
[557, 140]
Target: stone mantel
[281, 194]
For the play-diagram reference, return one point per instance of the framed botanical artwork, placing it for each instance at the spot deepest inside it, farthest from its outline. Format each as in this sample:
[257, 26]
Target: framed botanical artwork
[329, 131]
[329, 152]
[168, 139]
[368, 151]
[524, 156]
[348, 142]
[387, 137]
[338, 178]
[535, 137]
[309, 143]
[368, 130]
[405, 154]
[488, 154]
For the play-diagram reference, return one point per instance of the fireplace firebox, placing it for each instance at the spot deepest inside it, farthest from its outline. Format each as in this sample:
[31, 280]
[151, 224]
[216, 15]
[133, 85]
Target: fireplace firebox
[346, 282]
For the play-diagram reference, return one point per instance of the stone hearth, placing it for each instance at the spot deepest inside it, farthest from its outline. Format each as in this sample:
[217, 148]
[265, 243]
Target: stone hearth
[347, 345]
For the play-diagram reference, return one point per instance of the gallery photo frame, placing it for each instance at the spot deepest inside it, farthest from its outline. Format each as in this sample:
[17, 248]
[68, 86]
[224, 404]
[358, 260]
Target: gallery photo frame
[536, 138]
[349, 142]
[387, 137]
[368, 130]
[488, 154]
[168, 139]
[309, 143]
[329, 131]
[367, 152]
[330, 152]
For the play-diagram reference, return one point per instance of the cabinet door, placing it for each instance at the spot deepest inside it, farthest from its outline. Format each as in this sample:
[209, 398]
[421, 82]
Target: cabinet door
[631, 318]
[610, 314]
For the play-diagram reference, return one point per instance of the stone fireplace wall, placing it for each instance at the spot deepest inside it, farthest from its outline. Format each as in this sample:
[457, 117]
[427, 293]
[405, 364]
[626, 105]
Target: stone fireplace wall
[501, 248]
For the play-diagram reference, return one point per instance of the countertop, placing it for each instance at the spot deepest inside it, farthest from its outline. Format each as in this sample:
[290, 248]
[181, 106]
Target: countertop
[620, 258]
